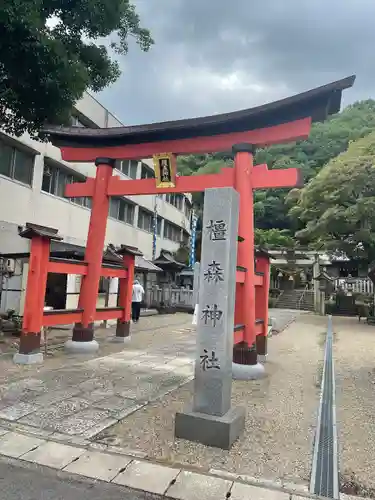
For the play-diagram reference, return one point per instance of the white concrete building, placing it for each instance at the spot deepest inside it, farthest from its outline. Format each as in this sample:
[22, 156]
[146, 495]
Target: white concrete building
[32, 182]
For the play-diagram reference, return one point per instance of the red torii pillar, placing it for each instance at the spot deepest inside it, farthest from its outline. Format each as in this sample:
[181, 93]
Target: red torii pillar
[83, 332]
[261, 302]
[32, 324]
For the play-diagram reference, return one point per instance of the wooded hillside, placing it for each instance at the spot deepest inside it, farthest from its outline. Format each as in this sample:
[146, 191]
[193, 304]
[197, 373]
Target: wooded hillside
[283, 217]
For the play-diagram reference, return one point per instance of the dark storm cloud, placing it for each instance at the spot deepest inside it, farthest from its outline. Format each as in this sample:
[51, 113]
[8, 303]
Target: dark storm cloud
[214, 56]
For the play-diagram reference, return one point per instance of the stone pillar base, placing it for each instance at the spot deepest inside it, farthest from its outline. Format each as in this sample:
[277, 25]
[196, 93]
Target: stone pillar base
[210, 430]
[262, 358]
[247, 372]
[28, 359]
[81, 347]
[122, 331]
[121, 340]
[82, 340]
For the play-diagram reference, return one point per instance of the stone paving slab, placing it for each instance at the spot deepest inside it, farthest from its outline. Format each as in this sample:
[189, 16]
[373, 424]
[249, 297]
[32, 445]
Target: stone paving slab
[146, 476]
[14, 445]
[125, 468]
[84, 398]
[98, 465]
[241, 491]
[193, 486]
[53, 455]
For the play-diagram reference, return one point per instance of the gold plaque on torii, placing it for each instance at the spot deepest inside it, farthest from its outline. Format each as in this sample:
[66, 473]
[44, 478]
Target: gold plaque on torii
[165, 170]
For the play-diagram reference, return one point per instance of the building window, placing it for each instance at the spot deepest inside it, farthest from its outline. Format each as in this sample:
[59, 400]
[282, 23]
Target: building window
[103, 285]
[76, 122]
[147, 172]
[145, 220]
[128, 167]
[187, 209]
[16, 163]
[174, 199]
[172, 232]
[55, 180]
[158, 226]
[122, 210]
[185, 237]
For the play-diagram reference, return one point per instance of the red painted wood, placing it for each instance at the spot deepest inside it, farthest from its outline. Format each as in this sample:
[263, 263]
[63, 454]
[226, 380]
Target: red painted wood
[240, 276]
[263, 266]
[95, 244]
[185, 184]
[245, 302]
[126, 288]
[108, 314]
[114, 273]
[66, 268]
[238, 336]
[79, 189]
[62, 318]
[258, 282]
[36, 285]
[262, 178]
[259, 329]
[278, 134]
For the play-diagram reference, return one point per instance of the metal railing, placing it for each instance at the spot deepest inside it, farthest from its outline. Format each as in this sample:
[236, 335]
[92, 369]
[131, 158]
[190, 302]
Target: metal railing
[302, 297]
[168, 296]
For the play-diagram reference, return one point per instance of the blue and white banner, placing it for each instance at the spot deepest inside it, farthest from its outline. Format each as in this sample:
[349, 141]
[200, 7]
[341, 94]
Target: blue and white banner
[154, 229]
[194, 220]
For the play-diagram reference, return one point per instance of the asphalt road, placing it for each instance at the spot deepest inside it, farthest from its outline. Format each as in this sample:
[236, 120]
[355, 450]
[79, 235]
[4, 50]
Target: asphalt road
[21, 481]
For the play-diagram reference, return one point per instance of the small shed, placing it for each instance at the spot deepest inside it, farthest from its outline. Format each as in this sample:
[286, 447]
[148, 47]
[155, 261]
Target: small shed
[170, 266]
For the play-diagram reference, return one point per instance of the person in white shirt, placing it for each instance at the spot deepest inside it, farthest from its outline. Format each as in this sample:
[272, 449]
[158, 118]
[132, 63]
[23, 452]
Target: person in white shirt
[137, 298]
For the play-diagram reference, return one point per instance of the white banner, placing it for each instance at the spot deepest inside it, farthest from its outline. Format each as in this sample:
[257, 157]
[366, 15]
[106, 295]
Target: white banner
[195, 315]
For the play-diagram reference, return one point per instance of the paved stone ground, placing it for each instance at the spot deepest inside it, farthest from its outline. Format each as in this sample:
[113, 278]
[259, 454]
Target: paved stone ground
[76, 395]
[82, 398]
[281, 415]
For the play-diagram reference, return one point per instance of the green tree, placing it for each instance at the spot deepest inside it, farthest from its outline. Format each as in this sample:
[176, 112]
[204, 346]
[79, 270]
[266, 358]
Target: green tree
[326, 141]
[274, 238]
[338, 205]
[51, 53]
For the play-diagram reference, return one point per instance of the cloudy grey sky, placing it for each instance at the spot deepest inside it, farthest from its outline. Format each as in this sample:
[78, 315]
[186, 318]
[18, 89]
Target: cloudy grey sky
[214, 56]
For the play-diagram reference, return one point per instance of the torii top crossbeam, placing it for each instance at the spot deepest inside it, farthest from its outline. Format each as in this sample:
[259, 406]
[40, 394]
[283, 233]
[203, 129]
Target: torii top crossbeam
[280, 121]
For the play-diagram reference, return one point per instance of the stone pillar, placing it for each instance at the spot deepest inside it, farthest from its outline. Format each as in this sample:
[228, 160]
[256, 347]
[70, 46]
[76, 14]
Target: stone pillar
[316, 272]
[212, 421]
[322, 305]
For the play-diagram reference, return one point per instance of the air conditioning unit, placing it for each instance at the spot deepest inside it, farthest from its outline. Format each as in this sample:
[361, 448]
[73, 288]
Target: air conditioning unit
[7, 266]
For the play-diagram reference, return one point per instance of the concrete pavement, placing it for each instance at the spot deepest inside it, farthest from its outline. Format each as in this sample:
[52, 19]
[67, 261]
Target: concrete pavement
[18, 481]
[22, 481]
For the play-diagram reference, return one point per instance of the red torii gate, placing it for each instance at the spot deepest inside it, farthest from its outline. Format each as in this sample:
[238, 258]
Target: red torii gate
[282, 121]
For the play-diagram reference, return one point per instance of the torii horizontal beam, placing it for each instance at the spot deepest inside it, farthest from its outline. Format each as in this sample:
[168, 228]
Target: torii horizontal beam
[286, 132]
[262, 178]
